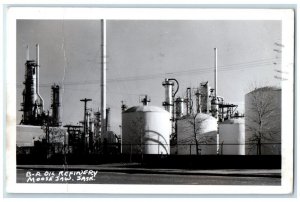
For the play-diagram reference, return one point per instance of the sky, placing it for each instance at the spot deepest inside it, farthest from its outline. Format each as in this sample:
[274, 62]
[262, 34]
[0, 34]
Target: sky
[141, 54]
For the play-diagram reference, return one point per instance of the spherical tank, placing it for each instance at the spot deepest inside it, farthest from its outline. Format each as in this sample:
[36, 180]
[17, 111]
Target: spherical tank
[146, 129]
[205, 131]
[232, 137]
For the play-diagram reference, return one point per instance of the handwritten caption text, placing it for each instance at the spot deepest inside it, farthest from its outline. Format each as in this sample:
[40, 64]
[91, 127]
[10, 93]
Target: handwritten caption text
[61, 176]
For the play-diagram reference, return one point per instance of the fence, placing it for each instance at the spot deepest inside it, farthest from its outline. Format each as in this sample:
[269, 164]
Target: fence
[176, 158]
[204, 149]
[165, 149]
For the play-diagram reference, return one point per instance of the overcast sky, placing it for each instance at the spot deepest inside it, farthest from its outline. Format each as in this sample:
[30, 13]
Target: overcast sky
[140, 54]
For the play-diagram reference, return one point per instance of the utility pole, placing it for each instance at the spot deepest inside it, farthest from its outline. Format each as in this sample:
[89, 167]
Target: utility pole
[216, 97]
[85, 132]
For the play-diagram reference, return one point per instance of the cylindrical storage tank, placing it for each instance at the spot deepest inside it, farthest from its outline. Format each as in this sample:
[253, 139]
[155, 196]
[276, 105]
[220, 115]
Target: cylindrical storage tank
[146, 129]
[205, 131]
[268, 100]
[232, 137]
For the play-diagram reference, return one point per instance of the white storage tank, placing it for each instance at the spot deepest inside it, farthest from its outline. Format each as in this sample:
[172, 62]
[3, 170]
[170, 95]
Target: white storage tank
[267, 100]
[206, 133]
[232, 137]
[146, 129]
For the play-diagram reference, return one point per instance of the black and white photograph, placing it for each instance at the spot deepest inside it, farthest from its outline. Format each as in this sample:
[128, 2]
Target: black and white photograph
[154, 101]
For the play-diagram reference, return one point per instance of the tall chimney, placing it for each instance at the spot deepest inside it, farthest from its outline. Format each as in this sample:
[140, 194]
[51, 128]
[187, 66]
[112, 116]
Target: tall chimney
[103, 75]
[216, 74]
[27, 53]
[37, 67]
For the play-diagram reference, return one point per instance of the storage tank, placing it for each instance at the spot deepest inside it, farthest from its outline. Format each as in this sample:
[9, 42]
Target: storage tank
[146, 129]
[232, 137]
[206, 133]
[263, 105]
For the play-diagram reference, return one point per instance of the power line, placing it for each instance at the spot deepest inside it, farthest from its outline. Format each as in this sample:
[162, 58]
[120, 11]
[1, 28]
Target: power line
[230, 67]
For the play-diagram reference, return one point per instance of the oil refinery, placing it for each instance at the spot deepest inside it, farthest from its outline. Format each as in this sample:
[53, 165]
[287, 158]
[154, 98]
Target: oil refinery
[200, 123]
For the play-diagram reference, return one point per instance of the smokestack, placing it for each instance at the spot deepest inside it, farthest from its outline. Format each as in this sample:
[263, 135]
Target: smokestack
[37, 67]
[216, 74]
[37, 54]
[103, 75]
[214, 101]
[27, 53]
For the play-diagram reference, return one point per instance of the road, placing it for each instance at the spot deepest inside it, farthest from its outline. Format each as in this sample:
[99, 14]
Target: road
[167, 179]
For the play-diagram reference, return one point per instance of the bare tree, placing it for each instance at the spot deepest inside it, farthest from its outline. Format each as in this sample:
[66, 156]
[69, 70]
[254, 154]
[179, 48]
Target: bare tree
[196, 131]
[199, 136]
[263, 118]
